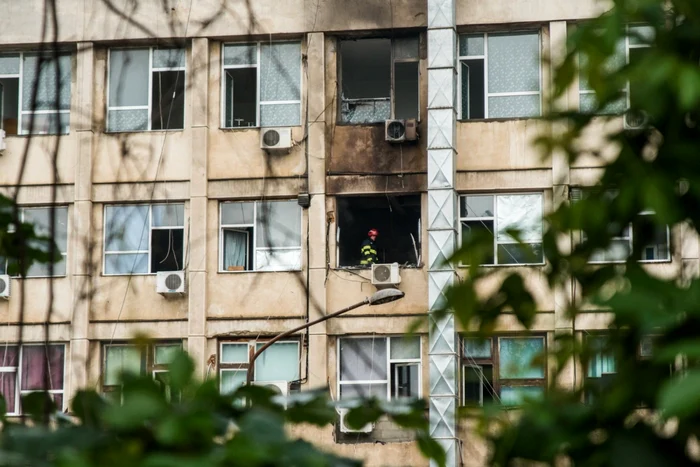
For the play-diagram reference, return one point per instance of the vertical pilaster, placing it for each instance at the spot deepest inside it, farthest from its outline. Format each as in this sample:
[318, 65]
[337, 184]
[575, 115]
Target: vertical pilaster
[443, 343]
[82, 264]
[198, 89]
[316, 214]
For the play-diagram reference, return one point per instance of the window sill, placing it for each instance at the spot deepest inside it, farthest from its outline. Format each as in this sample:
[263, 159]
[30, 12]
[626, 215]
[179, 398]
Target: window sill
[369, 268]
[39, 277]
[489, 120]
[530, 265]
[22, 136]
[259, 272]
[646, 261]
[126, 132]
[339, 123]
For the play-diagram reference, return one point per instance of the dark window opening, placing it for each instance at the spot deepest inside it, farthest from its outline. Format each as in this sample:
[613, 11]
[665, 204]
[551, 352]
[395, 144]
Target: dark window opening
[473, 89]
[166, 250]
[406, 380]
[168, 100]
[636, 93]
[406, 90]
[397, 218]
[10, 105]
[238, 249]
[241, 93]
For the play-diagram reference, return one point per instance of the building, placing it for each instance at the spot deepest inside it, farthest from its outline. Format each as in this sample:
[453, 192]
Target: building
[161, 116]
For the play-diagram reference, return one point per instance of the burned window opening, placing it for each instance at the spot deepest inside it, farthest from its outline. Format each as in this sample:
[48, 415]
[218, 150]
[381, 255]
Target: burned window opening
[241, 92]
[168, 100]
[10, 106]
[379, 79]
[397, 219]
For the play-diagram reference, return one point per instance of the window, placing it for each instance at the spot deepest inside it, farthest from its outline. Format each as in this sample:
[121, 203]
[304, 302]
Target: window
[146, 89]
[379, 79]
[628, 51]
[279, 362]
[20, 74]
[498, 215]
[502, 369]
[137, 360]
[29, 368]
[500, 75]
[601, 366]
[260, 236]
[382, 367]
[143, 239]
[397, 218]
[40, 218]
[262, 85]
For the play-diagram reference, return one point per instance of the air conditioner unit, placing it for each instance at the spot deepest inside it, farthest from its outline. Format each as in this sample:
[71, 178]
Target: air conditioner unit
[5, 286]
[635, 119]
[344, 428]
[398, 131]
[275, 138]
[386, 274]
[170, 283]
[281, 389]
[2, 141]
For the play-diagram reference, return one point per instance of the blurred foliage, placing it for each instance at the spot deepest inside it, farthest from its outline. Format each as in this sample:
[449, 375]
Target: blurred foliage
[199, 428]
[649, 415]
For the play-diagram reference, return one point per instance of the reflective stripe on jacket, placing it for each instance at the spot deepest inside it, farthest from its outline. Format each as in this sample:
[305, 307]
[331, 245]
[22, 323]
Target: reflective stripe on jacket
[368, 253]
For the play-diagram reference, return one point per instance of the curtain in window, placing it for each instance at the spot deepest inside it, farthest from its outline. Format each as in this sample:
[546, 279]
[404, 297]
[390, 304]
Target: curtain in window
[232, 380]
[280, 80]
[44, 74]
[279, 362]
[121, 359]
[363, 360]
[42, 365]
[601, 362]
[128, 86]
[235, 248]
[8, 388]
[522, 212]
[514, 66]
[126, 230]
[278, 236]
[40, 219]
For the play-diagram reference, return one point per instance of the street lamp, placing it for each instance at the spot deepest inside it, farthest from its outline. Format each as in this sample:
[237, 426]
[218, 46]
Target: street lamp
[380, 297]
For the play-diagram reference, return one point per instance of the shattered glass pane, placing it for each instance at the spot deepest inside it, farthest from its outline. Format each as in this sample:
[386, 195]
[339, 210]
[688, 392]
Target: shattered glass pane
[521, 212]
[475, 347]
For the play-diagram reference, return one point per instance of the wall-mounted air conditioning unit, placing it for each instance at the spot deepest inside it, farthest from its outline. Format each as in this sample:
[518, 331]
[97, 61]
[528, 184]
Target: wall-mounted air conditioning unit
[5, 286]
[635, 119]
[398, 131]
[386, 274]
[275, 138]
[169, 283]
[2, 141]
[344, 428]
[281, 388]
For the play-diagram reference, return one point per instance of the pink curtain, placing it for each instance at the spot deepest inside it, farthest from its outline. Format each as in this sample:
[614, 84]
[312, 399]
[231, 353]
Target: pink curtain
[8, 380]
[42, 367]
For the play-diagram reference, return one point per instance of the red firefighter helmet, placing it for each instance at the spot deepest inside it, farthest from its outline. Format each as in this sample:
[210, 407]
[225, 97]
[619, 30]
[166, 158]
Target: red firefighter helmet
[372, 233]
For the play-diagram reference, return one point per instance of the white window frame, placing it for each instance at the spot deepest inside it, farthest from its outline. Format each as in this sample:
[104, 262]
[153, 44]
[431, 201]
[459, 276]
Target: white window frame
[21, 112]
[392, 382]
[149, 106]
[19, 392]
[251, 346]
[148, 360]
[630, 239]
[487, 94]
[258, 102]
[150, 227]
[628, 46]
[223, 227]
[63, 254]
[494, 219]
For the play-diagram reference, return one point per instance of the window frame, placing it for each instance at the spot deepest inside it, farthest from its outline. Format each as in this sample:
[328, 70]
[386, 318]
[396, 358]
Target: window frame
[495, 362]
[17, 370]
[392, 78]
[63, 254]
[20, 77]
[258, 51]
[148, 361]
[224, 367]
[485, 57]
[495, 225]
[150, 237]
[391, 363]
[149, 105]
[223, 227]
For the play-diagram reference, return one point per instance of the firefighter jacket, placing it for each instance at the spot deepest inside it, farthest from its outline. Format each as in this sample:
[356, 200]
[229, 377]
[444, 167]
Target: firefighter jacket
[368, 253]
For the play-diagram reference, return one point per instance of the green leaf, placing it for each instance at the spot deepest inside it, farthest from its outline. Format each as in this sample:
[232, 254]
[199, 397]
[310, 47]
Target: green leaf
[181, 370]
[680, 396]
[431, 448]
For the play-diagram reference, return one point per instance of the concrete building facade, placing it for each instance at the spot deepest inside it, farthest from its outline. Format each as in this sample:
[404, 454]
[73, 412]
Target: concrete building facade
[157, 115]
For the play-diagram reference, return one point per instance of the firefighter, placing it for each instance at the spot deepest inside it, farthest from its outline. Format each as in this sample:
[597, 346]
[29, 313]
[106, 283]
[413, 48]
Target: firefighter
[368, 252]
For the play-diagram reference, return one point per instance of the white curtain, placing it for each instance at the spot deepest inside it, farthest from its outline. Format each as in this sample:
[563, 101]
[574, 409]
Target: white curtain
[235, 248]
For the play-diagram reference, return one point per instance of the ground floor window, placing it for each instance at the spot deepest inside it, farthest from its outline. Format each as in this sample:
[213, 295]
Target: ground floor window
[279, 362]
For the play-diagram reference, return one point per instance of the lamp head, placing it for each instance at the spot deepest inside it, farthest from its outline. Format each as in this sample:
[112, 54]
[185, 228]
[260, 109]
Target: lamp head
[385, 296]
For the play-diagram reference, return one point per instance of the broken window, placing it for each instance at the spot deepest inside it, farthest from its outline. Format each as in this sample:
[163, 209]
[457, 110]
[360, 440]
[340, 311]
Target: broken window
[397, 218]
[40, 218]
[505, 370]
[23, 73]
[630, 50]
[31, 365]
[379, 79]
[143, 239]
[384, 367]
[499, 216]
[260, 236]
[146, 89]
[262, 84]
[279, 362]
[137, 360]
[500, 75]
